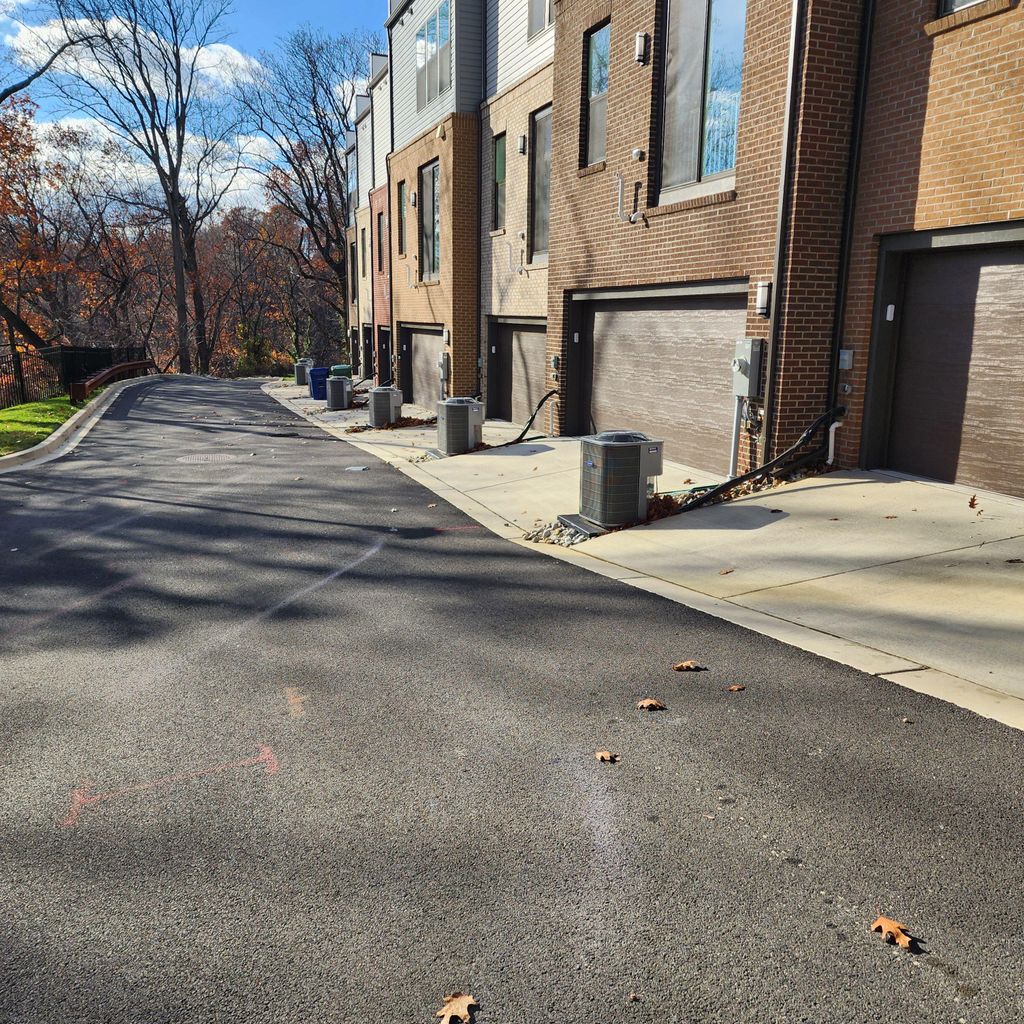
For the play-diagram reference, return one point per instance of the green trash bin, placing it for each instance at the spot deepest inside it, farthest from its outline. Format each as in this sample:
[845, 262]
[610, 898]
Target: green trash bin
[341, 370]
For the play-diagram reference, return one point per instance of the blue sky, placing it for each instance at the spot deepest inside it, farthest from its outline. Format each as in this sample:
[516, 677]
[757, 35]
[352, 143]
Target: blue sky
[257, 24]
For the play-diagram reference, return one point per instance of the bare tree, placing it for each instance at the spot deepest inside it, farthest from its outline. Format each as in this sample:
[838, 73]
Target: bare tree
[144, 70]
[300, 101]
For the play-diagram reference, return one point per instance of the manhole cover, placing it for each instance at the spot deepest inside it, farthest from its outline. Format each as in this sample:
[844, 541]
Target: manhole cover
[207, 457]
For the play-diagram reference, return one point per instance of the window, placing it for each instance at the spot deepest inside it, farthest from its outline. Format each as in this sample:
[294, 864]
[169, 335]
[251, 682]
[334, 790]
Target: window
[702, 89]
[541, 16]
[362, 249]
[433, 57]
[352, 271]
[540, 177]
[353, 182]
[949, 6]
[499, 182]
[401, 218]
[380, 243]
[430, 221]
[598, 46]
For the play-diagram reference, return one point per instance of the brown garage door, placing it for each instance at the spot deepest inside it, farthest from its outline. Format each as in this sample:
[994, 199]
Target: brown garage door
[517, 377]
[665, 367]
[958, 396]
[427, 347]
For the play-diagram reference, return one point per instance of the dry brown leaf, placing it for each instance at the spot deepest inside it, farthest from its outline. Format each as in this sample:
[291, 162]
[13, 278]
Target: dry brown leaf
[457, 1006]
[1015, 561]
[973, 503]
[892, 517]
[725, 572]
[650, 704]
[608, 757]
[688, 666]
[893, 931]
[735, 688]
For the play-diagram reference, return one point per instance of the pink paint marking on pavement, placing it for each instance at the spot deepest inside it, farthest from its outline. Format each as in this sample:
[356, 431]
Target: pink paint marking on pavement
[83, 796]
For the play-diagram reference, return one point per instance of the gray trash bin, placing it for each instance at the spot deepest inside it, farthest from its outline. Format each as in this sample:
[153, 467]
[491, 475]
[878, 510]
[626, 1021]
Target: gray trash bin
[300, 372]
[339, 393]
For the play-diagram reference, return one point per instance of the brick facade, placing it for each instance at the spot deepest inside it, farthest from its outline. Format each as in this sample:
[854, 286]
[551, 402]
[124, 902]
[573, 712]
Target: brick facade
[943, 146]
[451, 302]
[351, 297]
[381, 272]
[509, 285]
[727, 235]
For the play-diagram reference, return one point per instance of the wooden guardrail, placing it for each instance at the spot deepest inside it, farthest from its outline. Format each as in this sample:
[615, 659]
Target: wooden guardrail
[80, 390]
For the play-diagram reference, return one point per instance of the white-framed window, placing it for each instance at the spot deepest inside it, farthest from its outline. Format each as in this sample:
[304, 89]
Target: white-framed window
[434, 56]
[541, 16]
[598, 52]
[703, 77]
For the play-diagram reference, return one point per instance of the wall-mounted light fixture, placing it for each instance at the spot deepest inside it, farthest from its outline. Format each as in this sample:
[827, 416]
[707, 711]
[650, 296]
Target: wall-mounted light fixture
[522, 145]
[412, 198]
[763, 298]
[640, 48]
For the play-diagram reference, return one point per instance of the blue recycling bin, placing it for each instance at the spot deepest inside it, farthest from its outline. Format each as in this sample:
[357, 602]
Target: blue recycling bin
[317, 376]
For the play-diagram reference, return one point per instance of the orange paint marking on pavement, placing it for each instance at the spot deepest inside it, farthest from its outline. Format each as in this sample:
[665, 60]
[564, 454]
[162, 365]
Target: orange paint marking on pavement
[296, 702]
[83, 796]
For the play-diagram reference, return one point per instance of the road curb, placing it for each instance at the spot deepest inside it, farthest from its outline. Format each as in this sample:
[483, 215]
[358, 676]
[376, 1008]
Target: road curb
[904, 672]
[70, 432]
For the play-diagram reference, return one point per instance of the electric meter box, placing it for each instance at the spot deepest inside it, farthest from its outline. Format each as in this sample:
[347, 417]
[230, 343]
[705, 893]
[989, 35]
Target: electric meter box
[746, 368]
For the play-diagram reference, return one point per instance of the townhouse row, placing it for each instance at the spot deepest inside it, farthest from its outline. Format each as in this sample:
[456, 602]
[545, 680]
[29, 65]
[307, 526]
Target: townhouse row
[616, 199]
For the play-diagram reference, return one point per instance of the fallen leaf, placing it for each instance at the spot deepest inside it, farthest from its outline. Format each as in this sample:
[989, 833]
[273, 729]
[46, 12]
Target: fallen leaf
[774, 511]
[725, 572]
[834, 519]
[434, 505]
[735, 688]
[457, 1006]
[688, 666]
[1015, 561]
[892, 517]
[907, 721]
[650, 704]
[608, 757]
[394, 510]
[893, 931]
[633, 998]
[973, 503]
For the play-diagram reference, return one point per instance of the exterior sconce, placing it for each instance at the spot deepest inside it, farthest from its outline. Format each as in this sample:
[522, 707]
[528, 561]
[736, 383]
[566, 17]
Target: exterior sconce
[522, 145]
[640, 48]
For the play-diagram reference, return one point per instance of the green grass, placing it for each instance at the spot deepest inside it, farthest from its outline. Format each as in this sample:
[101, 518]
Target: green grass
[22, 426]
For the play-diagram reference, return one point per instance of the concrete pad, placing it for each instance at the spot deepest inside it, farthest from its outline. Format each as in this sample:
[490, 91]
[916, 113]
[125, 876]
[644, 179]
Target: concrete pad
[823, 526]
[960, 613]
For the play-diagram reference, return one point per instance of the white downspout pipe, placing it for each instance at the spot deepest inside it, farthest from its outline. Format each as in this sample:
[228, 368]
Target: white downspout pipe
[832, 442]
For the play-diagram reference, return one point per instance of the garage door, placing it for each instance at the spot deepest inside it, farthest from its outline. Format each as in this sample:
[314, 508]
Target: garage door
[958, 396]
[427, 347]
[516, 377]
[665, 367]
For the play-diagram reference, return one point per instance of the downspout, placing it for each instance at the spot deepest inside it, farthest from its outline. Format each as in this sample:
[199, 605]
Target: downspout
[790, 118]
[850, 207]
[394, 368]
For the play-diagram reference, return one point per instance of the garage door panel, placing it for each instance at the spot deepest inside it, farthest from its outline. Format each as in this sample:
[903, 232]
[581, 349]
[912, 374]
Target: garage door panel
[427, 347]
[529, 352]
[958, 400]
[665, 368]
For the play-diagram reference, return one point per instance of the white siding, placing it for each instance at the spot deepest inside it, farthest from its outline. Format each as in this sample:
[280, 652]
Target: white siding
[381, 130]
[511, 56]
[364, 158]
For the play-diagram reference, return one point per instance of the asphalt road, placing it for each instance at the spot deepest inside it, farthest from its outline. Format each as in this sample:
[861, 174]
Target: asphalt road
[282, 741]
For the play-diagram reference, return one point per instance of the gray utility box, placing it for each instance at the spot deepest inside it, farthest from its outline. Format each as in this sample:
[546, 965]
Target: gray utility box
[615, 468]
[339, 393]
[300, 372]
[746, 368]
[385, 406]
[460, 425]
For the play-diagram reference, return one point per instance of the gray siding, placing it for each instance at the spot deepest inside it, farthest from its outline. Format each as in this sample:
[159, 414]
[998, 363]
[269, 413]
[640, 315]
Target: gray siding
[511, 56]
[381, 130]
[467, 38]
[364, 157]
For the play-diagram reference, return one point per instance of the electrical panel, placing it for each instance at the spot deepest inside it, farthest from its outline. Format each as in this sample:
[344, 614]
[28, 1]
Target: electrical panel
[746, 368]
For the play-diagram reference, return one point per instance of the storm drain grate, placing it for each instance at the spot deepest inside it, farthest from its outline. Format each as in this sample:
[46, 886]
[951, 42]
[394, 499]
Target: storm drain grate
[207, 457]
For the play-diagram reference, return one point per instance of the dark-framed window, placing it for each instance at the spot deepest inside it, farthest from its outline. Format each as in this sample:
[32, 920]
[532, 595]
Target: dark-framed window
[499, 182]
[597, 44]
[949, 6]
[540, 182]
[433, 56]
[429, 205]
[362, 249]
[401, 218]
[353, 272]
[703, 75]
[380, 243]
[540, 17]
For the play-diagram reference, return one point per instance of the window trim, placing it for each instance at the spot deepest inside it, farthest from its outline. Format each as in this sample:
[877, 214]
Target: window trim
[532, 31]
[538, 255]
[434, 274]
[587, 102]
[497, 224]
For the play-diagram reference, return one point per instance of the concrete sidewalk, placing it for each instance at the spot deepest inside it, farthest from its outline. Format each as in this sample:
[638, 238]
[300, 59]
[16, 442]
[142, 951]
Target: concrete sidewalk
[899, 578]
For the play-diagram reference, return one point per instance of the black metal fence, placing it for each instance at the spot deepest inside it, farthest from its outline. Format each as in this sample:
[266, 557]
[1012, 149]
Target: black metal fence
[35, 374]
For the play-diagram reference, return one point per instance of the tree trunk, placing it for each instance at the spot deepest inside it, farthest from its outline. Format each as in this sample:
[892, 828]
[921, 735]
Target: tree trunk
[17, 324]
[180, 298]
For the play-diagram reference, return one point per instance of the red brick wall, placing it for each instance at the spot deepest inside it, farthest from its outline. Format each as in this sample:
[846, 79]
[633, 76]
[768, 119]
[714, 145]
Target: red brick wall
[728, 235]
[943, 145]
